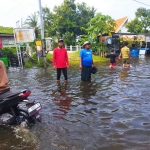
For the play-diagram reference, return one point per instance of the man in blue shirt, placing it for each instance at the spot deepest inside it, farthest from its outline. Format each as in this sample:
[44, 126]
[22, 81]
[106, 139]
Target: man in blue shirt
[86, 62]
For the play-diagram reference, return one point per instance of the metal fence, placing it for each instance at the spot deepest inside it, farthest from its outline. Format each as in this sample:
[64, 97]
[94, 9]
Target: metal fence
[73, 48]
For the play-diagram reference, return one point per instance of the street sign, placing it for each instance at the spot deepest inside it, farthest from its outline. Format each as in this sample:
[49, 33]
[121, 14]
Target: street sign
[39, 51]
[24, 35]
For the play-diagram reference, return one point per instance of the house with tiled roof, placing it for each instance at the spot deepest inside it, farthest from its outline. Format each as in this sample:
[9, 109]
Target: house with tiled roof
[121, 25]
[6, 36]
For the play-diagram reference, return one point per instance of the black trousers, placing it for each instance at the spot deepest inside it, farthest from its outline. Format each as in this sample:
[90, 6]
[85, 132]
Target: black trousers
[86, 73]
[64, 70]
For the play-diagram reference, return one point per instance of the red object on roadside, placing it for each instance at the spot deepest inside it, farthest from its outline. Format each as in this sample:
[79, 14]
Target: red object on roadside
[1, 45]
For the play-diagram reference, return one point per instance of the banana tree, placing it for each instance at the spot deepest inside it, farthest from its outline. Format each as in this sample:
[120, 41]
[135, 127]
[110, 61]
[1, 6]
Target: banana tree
[100, 24]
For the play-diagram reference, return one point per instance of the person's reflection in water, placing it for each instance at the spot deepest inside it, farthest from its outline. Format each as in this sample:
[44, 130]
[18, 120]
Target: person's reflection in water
[88, 90]
[63, 101]
[123, 74]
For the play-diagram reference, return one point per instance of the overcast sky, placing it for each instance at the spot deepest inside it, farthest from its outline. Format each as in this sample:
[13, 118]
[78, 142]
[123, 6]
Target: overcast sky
[13, 10]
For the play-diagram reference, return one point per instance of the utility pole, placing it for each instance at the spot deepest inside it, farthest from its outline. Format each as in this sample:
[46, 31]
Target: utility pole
[42, 32]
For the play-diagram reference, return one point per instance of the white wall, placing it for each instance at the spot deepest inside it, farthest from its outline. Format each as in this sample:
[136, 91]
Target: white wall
[124, 29]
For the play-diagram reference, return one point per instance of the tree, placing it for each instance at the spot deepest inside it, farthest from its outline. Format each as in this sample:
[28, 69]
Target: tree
[143, 15]
[103, 24]
[99, 25]
[67, 36]
[67, 20]
[141, 24]
[84, 15]
[32, 21]
[65, 17]
[135, 26]
[49, 27]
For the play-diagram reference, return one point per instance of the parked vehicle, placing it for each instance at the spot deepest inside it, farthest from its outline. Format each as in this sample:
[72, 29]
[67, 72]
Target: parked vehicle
[19, 108]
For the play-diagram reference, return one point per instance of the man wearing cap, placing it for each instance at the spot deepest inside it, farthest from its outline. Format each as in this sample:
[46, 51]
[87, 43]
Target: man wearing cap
[60, 61]
[86, 62]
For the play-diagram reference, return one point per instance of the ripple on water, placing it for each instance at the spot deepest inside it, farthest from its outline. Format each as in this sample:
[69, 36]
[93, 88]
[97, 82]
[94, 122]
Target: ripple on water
[111, 112]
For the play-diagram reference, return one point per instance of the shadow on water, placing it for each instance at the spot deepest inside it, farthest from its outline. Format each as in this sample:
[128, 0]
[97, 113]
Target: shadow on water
[110, 113]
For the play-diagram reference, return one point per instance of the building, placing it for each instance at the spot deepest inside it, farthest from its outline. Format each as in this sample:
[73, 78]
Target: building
[7, 36]
[121, 25]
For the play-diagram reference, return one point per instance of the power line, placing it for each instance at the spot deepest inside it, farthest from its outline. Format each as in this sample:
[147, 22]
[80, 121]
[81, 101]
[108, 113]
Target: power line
[12, 9]
[141, 3]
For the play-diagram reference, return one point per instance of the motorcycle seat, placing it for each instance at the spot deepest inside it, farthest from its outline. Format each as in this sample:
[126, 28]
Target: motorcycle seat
[7, 95]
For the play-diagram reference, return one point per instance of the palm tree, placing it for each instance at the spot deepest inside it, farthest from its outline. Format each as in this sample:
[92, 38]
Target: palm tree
[32, 21]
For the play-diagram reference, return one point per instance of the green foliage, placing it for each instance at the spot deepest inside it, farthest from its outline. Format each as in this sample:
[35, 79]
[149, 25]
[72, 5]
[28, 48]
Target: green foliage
[28, 64]
[40, 64]
[84, 14]
[6, 30]
[49, 58]
[69, 18]
[101, 46]
[141, 24]
[143, 15]
[65, 21]
[82, 39]
[94, 46]
[135, 26]
[72, 21]
[32, 21]
[49, 26]
[67, 36]
[100, 24]
[9, 51]
[54, 45]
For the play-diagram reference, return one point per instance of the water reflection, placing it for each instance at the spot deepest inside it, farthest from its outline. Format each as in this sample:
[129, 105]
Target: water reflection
[111, 112]
[123, 74]
[88, 89]
[61, 100]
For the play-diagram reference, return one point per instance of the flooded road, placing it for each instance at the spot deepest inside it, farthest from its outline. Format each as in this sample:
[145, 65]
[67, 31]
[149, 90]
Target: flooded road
[110, 113]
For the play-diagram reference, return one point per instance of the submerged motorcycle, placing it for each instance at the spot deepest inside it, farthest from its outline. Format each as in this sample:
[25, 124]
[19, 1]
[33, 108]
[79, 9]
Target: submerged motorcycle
[19, 108]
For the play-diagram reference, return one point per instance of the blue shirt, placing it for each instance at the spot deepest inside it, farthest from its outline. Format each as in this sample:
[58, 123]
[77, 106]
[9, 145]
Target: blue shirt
[86, 56]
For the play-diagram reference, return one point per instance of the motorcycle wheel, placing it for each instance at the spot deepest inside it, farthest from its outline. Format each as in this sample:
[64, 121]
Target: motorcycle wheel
[26, 117]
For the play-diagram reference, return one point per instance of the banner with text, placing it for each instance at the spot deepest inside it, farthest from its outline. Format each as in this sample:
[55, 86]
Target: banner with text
[24, 35]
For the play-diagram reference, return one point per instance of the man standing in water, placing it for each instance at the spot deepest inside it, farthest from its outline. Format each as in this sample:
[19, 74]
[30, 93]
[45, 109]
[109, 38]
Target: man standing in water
[125, 53]
[60, 61]
[86, 62]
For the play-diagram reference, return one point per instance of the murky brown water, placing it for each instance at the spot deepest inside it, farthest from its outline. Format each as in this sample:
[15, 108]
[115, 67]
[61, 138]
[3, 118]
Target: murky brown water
[111, 113]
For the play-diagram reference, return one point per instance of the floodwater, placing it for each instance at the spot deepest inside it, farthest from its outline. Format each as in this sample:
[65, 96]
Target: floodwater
[110, 113]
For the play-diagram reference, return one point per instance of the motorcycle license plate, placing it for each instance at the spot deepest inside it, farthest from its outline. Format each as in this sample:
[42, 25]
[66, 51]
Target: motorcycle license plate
[34, 109]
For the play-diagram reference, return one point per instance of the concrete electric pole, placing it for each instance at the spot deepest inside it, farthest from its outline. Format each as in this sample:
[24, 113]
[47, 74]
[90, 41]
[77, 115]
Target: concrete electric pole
[42, 32]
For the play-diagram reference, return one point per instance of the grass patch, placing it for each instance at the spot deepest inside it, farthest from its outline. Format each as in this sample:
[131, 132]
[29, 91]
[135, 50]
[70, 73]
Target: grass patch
[73, 60]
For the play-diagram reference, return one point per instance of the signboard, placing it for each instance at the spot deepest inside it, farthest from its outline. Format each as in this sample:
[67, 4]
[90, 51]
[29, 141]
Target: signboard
[38, 43]
[132, 38]
[147, 38]
[107, 39]
[39, 51]
[48, 44]
[24, 35]
[1, 44]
